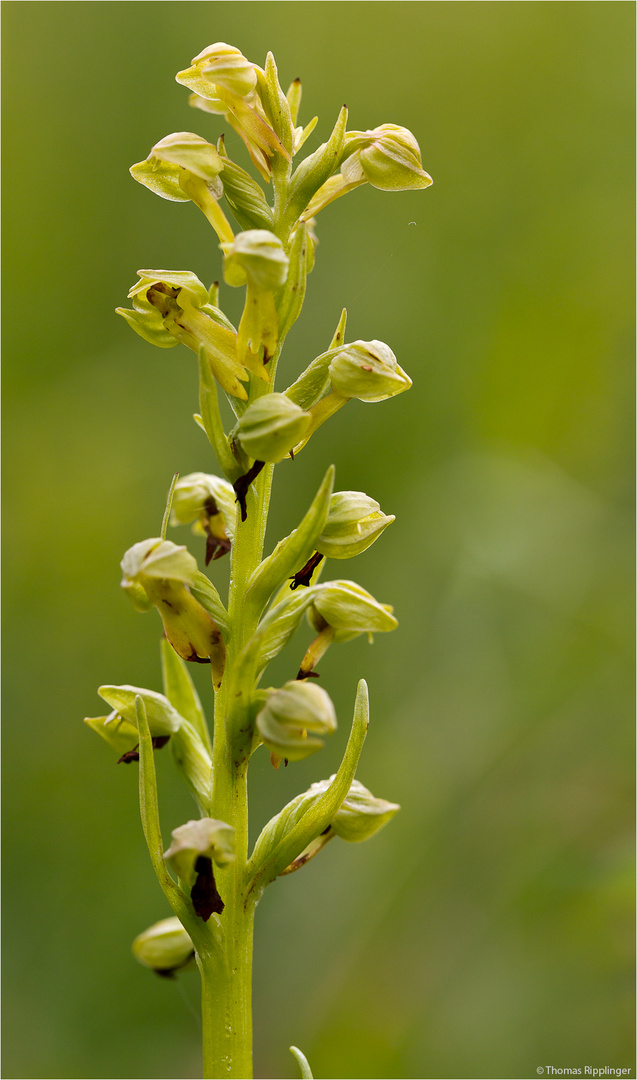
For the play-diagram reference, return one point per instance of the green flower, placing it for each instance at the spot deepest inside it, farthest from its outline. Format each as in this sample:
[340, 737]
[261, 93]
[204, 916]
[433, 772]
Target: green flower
[225, 83]
[184, 167]
[171, 306]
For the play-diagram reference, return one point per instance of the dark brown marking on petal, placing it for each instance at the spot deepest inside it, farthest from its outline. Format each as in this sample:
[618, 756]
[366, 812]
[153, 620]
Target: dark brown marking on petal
[204, 895]
[194, 659]
[304, 575]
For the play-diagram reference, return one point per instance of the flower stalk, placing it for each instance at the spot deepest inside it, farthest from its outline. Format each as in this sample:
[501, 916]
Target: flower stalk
[210, 879]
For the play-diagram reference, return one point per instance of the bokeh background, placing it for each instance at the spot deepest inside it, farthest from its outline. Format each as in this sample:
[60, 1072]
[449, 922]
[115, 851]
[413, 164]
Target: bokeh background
[487, 931]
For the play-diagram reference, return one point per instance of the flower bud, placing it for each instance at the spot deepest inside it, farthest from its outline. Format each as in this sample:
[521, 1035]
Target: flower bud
[289, 713]
[271, 426]
[354, 522]
[257, 255]
[388, 157]
[164, 947]
[361, 815]
[219, 67]
[162, 718]
[367, 370]
[349, 610]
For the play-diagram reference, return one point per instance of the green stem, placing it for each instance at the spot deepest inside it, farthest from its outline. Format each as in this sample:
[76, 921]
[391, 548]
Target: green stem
[226, 974]
[227, 981]
[226, 1001]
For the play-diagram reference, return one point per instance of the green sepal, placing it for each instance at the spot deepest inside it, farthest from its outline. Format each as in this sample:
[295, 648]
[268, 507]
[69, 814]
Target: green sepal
[271, 426]
[190, 152]
[314, 382]
[193, 761]
[303, 1063]
[350, 610]
[292, 295]
[312, 173]
[160, 177]
[277, 626]
[354, 523]
[292, 552]
[119, 733]
[362, 815]
[309, 814]
[180, 690]
[190, 496]
[205, 592]
[311, 386]
[149, 326]
[137, 595]
[158, 559]
[245, 197]
[163, 718]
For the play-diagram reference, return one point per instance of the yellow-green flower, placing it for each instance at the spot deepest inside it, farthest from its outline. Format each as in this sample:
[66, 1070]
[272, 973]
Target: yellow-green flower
[171, 306]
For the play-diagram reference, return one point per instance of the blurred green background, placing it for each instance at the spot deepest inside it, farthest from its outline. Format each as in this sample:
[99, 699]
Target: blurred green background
[488, 930]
